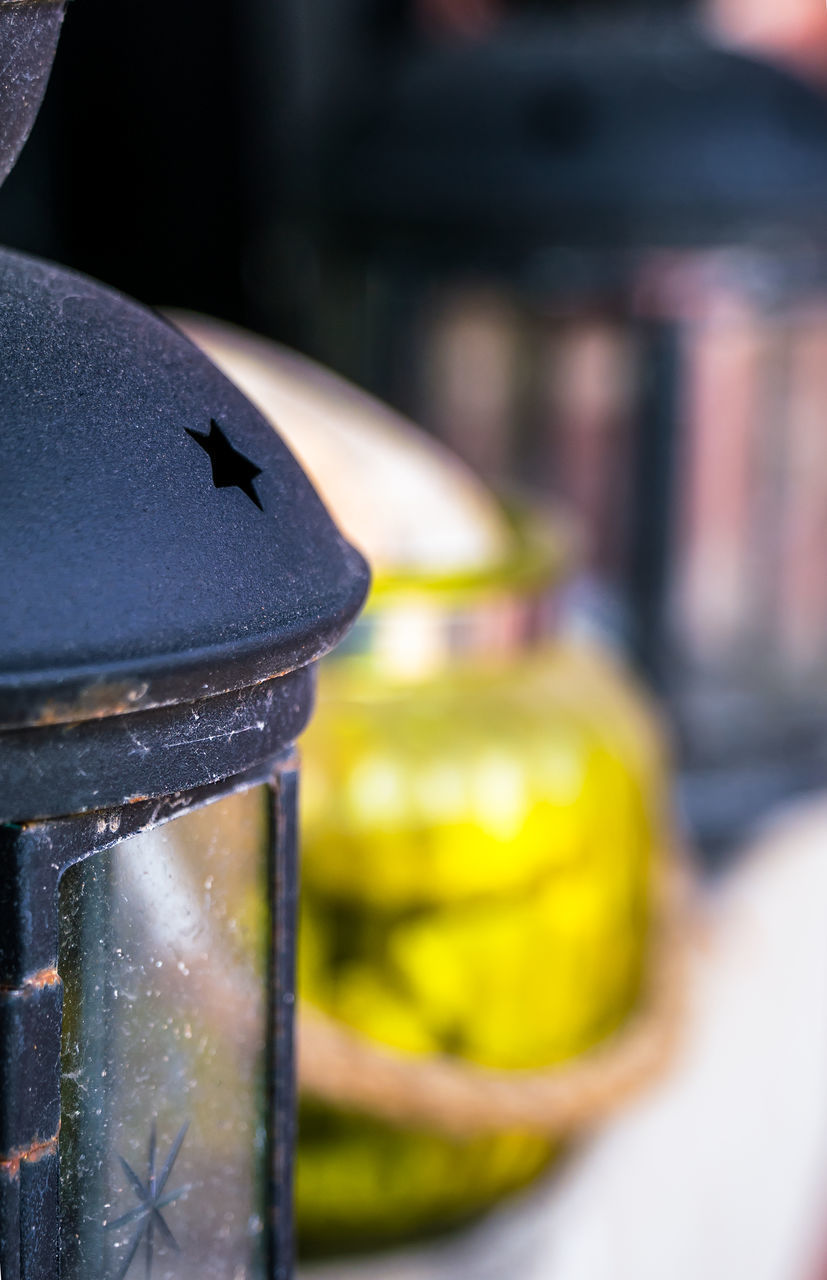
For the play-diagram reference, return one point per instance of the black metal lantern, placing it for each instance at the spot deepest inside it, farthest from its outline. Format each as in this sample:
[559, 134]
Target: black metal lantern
[593, 259]
[168, 578]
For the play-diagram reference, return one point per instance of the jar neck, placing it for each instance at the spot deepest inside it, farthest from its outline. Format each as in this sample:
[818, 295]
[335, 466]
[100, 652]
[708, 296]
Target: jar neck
[413, 637]
[415, 627]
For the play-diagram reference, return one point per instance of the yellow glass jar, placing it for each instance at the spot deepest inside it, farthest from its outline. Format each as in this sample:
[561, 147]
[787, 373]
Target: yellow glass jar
[482, 810]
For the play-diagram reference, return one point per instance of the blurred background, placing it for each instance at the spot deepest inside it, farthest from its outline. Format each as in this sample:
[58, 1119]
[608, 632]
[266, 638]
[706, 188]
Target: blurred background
[584, 247]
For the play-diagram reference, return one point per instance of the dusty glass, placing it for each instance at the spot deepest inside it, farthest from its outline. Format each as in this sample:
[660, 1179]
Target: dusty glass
[164, 960]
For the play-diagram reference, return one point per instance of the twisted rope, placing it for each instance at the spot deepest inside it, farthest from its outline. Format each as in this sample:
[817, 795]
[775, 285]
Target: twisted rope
[343, 1067]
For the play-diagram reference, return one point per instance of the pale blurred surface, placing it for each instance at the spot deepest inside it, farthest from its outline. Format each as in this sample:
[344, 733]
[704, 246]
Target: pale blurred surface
[400, 496]
[794, 31]
[721, 1172]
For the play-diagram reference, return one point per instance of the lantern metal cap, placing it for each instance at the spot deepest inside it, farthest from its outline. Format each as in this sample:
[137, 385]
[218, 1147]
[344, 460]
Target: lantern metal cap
[29, 31]
[159, 543]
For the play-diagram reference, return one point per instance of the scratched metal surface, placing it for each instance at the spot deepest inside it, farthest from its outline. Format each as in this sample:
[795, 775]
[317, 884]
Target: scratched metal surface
[29, 31]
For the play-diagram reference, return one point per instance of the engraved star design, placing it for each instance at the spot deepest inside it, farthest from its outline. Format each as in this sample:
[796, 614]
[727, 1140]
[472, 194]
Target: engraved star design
[230, 469]
[152, 1200]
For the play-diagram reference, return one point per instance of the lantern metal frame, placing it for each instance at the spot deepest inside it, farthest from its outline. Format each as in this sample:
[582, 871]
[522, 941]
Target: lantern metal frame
[33, 858]
[166, 612]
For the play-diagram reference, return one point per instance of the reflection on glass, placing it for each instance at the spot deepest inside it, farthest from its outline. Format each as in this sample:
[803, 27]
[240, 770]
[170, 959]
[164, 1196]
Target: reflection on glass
[163, 956]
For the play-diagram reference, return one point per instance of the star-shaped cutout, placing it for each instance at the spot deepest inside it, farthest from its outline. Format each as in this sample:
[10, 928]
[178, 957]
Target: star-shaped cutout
[230, 469]
[152, 1200]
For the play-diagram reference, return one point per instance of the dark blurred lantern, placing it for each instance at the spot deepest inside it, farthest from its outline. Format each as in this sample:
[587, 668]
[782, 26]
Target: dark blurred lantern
[169, 578]
[180, 191]
[593, 259]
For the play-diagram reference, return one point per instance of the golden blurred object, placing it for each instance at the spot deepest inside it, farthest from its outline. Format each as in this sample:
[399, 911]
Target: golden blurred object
[483, 813]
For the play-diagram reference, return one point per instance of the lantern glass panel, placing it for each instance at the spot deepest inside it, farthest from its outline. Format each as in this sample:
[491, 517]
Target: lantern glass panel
[164, 959]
